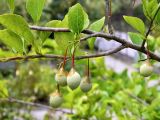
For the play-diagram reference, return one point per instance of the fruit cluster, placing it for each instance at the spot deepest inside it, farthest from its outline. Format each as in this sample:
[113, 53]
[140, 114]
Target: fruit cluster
[73, 80]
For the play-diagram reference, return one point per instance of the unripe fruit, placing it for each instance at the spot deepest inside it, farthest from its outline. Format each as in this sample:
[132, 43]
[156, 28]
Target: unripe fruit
[61, 77]
[85, 99]
[55, 99]
[85, 84]
[73, 79]
[146, 69]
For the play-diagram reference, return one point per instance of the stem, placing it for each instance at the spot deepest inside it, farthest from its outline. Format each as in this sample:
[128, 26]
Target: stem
[73, 55]
[88, 68]
[65, 57]
[108, 15]
[150, 27]
[58, 88]
[73, 59]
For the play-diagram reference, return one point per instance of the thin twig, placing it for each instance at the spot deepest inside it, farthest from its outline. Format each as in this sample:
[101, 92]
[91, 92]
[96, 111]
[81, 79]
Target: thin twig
[61, 56]
[150, 27]
[51, 29]
[108, 15]
[13, 100]
[137, 98]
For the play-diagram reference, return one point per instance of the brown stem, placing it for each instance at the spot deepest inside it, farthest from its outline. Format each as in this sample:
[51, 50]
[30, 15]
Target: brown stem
[108, 15]
[73, 60]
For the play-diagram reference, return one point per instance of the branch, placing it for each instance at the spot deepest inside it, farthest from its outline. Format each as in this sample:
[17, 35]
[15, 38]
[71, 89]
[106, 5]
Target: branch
[137, 98]
[108, 14]
[13, 100]
[150, 27]
[50, 29]
[91, 34]
[126, 43]
[61, 57]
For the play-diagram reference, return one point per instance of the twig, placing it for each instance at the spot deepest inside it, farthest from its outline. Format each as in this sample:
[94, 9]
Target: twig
[13, 100]
[51, 29]
[137, 98]
[150, 27]
[98, 34]
[61, 57]
[108, 15]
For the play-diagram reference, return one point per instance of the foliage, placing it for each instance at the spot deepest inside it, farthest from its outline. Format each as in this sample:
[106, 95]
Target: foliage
[113, 95]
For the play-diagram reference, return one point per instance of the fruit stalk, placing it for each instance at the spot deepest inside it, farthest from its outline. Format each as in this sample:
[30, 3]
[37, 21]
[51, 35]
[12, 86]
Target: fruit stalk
[65, 56]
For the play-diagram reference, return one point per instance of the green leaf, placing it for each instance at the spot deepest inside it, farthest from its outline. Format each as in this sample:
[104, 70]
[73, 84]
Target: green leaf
[136, 23]
[76, 19]
[136, 38]
[96, 26]
[45, 35]
[61, 38]
[18, 25]
[3, 89]
[137, 89]
[11, 5]
[34, 8]
[86, 20]
[12, 40]
[149, 8]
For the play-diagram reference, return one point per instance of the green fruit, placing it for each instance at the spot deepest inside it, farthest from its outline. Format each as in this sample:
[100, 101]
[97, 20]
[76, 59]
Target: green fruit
[146, 69]
[85, 99]
[73, 79]
[61, 77]
[55, 100]
[85, 84]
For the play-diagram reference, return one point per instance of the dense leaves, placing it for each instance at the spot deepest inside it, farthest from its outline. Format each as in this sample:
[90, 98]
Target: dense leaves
[12, 40]
[18, 25]
[121, 95]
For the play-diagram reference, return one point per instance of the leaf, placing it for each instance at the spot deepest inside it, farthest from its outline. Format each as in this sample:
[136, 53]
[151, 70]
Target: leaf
[34, 8]
[11, 5]
[96, 26]
[61, 38]
[3, 89]
[12, 40]
[136, 23]
[86, 20]
[76, 19]
[44, 35]
[136, 38]
[137, 89]
[18, 25]
[149, 8]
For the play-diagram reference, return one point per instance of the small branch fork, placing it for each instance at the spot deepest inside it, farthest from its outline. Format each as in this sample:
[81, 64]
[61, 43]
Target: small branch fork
[91, 34]
[150, 28]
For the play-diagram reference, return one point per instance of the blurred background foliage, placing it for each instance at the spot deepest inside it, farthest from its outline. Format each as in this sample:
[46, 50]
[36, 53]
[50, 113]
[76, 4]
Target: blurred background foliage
[123, 95]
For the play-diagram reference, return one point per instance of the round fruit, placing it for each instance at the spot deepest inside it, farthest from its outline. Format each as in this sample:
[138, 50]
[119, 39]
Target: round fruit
[61, 77]
[85, 99]
[85, 84]
[73, 79]
[146, 69]
[55, 99]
